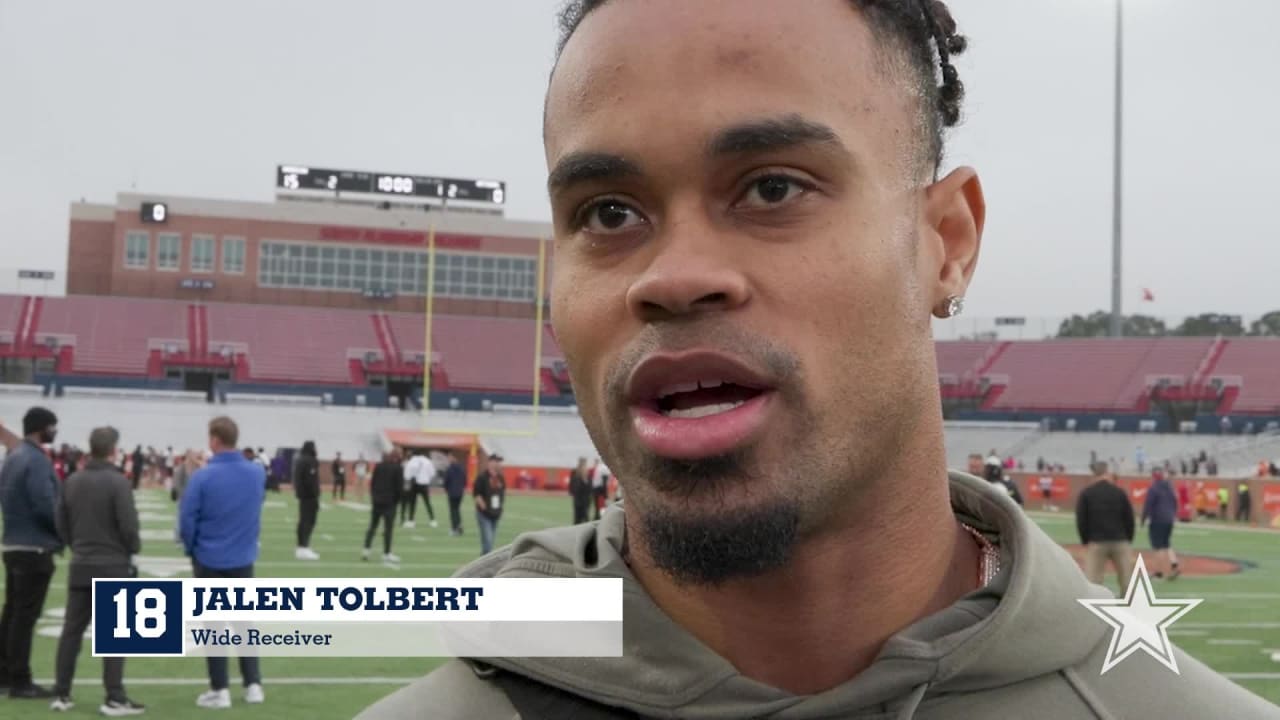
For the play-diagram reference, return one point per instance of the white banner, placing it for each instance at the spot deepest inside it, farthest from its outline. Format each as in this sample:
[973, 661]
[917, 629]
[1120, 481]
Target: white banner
[358, 617]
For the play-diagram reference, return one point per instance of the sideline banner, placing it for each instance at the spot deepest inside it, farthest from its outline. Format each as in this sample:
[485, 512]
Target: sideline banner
[358, 617]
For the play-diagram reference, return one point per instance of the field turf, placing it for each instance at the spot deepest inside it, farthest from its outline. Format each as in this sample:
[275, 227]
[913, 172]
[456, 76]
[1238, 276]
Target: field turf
[1235, 630]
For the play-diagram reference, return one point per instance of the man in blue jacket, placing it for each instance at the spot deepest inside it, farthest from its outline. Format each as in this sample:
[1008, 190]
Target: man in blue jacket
[1161, 508]
[219, 519]
[28, 497]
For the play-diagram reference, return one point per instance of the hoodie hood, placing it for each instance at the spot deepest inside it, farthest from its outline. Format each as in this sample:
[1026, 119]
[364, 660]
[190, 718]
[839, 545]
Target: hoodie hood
[1016, 628]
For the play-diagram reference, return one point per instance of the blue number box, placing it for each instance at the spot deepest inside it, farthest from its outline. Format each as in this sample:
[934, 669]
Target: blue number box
[137, 618]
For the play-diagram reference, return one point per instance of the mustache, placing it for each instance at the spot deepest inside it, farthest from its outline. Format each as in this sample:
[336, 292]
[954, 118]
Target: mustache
[763, 353]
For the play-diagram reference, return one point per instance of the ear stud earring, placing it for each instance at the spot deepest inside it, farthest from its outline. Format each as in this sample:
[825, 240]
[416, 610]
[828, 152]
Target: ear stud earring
[951, 307]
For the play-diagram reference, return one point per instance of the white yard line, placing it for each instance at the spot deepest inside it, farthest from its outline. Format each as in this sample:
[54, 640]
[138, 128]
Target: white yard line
[1230, 625]
[357, 564]
[1053, 518]
[381, 680]
[1233, 641]
[1226, 595]
[267, 682]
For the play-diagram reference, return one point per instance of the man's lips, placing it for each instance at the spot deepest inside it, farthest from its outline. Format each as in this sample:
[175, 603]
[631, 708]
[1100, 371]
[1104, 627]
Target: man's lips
[697, 404]
[664, 374]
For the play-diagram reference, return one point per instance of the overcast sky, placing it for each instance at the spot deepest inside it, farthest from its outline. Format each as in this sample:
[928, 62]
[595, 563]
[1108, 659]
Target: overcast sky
[206, 98]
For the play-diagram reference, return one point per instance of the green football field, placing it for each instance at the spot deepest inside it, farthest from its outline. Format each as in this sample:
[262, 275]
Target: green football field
[1235, 630]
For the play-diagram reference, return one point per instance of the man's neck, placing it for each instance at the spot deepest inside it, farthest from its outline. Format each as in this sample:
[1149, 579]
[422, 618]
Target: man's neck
[823, 618]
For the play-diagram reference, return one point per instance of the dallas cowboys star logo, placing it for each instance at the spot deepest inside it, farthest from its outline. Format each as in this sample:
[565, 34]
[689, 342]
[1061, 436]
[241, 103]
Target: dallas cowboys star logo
[1140, 621]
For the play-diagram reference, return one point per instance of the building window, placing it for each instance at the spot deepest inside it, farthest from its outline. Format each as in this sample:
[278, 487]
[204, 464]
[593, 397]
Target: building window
[233, 255]
[168, 251]
[202, 253]
[137, 250]
[307, 266]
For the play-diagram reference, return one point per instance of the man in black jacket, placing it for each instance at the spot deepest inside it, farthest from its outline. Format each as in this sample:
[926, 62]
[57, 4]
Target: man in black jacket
[28, 497]
[455, 486]
[339, 477]
[306, 487]
[491, 495]
[98, 520]
[384, 494]
[1104, 519]
[580, 491]
[139, 462]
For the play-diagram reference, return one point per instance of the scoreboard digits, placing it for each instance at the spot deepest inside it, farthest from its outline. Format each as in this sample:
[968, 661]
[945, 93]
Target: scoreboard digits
[297, 177]
[155, 212]
[394, 184]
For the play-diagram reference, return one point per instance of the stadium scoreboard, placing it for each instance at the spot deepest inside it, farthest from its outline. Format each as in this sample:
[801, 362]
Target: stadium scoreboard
[301, 177]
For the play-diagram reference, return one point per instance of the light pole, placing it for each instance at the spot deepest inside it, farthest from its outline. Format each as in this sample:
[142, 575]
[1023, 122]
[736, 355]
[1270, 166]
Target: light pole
[1117, 206]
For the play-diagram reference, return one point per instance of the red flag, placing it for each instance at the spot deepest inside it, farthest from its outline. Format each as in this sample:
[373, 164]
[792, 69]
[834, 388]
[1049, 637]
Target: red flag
[1148, 296]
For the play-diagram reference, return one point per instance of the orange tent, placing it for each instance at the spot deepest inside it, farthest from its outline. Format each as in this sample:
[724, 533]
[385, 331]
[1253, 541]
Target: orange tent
[421, 440]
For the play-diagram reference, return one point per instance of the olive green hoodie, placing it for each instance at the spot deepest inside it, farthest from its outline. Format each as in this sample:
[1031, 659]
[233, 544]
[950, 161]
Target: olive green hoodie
[1022, 647]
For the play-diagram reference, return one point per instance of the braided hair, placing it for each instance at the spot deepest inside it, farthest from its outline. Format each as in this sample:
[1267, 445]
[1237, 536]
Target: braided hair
[923, 31]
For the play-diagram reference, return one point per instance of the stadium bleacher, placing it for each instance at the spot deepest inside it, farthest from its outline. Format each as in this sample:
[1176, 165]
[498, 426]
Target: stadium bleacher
[134, 338]
[10, 308]
[293, 344]
[1089, 373]
[960, 359]
[112, 335]
[479, 353]
[1255, 363]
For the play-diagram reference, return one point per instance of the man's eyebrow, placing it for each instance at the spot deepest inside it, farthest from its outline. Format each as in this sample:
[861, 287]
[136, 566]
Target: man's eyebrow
[580, 167]
[770, 134]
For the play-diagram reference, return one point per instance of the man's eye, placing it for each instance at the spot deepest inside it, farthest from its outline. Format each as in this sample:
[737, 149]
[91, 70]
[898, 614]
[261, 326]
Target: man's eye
[772, 190]
[609, 216]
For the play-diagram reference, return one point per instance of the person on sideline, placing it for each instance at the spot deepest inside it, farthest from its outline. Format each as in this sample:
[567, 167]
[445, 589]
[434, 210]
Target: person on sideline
[98, 520]
[580, 491]
[361, 470]
[490, 493]
[455, 487]
[339, 470]
[418, 473]
[1161, 509]
[384, 493]
[29, 499]
[306, 487]
[220, 518]
[1104, 520]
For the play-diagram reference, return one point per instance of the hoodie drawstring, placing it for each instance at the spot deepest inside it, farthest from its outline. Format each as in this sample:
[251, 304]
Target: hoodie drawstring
[908, 710]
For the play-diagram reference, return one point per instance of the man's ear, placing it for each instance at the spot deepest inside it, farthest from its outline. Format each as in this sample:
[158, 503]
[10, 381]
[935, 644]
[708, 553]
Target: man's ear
[955, 212]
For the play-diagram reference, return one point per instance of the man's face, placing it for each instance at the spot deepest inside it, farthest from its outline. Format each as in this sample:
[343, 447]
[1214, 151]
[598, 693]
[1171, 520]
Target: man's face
[49, 434]
[742, 289]
[976, 465]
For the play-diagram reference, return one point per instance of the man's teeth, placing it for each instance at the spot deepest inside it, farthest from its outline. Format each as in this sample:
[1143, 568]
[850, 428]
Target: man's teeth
[690, 387]
[702, 411]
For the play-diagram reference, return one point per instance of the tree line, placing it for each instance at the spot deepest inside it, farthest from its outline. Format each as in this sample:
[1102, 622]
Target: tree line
[1098, 324]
